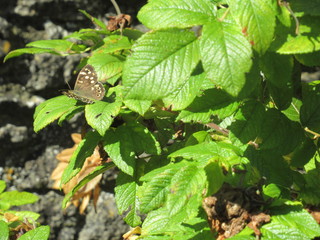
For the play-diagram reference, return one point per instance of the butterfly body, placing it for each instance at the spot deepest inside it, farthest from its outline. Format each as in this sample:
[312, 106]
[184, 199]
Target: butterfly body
[87, 88]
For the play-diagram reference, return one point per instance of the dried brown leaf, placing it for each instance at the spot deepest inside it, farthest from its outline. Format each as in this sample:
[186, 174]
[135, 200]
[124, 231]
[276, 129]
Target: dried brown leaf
[120, 21]
[83, 195]
[132, 234]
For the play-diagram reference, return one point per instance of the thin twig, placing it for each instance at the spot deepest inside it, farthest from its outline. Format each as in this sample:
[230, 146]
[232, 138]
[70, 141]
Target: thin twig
[116, 7]
[219, 129]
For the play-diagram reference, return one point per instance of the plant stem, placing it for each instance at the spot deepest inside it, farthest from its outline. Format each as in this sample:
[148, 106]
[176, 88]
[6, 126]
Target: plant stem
[116, 7]
[316, 135]
[216, 127]
[224, 15]
[287, 6]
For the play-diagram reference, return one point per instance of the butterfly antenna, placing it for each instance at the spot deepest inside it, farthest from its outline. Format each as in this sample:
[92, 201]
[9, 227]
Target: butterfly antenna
[68, 84]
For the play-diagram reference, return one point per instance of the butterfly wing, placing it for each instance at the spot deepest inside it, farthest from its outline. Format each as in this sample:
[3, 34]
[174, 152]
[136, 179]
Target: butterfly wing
[75, 95]
[87, 84]
[87, 88]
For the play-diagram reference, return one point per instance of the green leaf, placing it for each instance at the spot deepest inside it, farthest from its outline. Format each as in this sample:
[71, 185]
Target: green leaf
[114, 43]
[85, 149]
[226, 55]
[284, 17]
[16, 198]
[211, 102]
[167, 220]
[309, 59]
[122, 157]
[177, 187]
[303, 153]
[245, 234]
[159, 14]
[4, 230]
[153, 192]
[276, 231]
[308, 41]
[100, 115]
[253, 81]
[293, 112]
[162, 222]
[2, 186]
[181, 98]
[57, 45]
[52, 109]
[187, 183]
[155, 237]
[310, 192]
[20, 51]
[69, 114]
[277, 132]
[247, 124]
[166, 124]
[139, 106]
[40, 233]
[142, 140]
[195, 228]
[127, 142]
[257, 20]
[310, 109]
[271, 166]
[278, 72]
[311, 7]
[205, 151]
[160, 64]
[272, 191]
[215, 177]
[198, 137]
[94, 20]
[84, 35]
[268, 129]
[132, 34]
[297, 218]
[125, 193]
[4, 206]
[96, 172]
[106, 65]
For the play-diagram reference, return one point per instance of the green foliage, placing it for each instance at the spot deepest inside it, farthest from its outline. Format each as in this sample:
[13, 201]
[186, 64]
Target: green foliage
[291, 220]
[39, 233]
[4, 230]
[61, 108]
[226, 55]
[188, 109]
[11, 220]
[84, 150]
[161, 62]
[98, 170]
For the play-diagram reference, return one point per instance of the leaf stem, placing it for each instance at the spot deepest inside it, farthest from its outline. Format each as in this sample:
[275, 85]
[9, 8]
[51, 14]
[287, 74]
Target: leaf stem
[116, 6]
[316, 135]
[224, 15]
[287, 6]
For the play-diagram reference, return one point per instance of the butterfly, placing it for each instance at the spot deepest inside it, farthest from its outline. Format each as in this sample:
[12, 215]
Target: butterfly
[87, 88]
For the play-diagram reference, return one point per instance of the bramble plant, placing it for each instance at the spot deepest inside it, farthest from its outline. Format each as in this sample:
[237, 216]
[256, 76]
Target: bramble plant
[215, 134]
[19, 224]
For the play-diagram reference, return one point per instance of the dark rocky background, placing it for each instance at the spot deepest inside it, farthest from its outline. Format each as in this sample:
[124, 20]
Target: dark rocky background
[26, 158]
